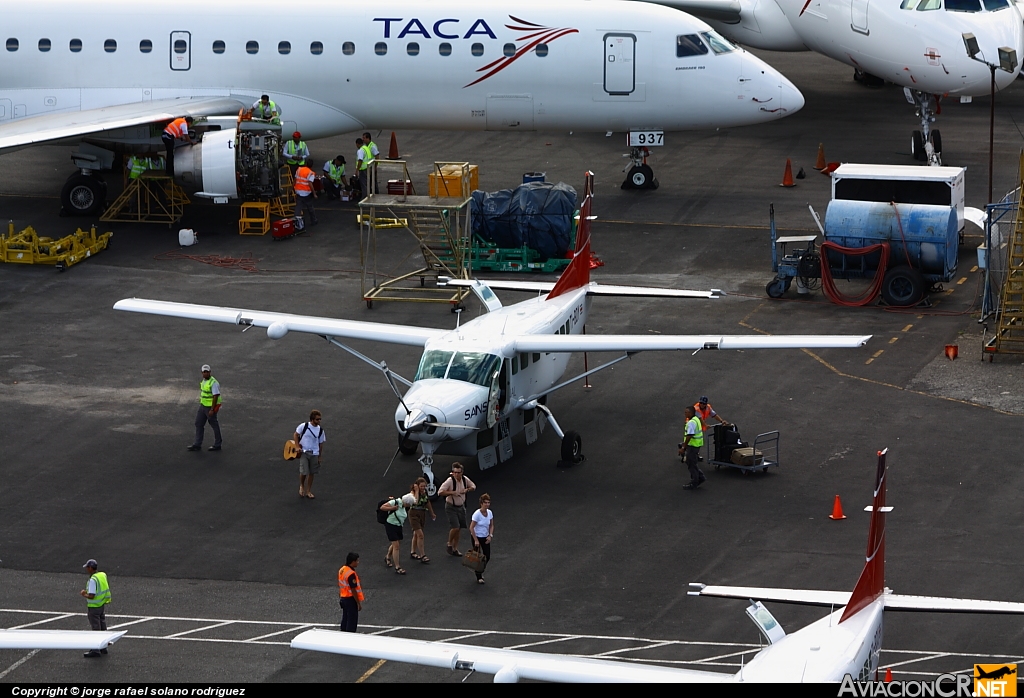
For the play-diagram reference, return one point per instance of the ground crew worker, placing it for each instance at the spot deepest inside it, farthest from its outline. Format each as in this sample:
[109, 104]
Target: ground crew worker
[266, 110]
[97, 596]
[706, 412]
[209, 406]
[351, 593]
[137, 164]
[374, 155]
[304, 195]
[177, 130]
[693, 439]
[296, 151]
[363, 158]
[335, 171]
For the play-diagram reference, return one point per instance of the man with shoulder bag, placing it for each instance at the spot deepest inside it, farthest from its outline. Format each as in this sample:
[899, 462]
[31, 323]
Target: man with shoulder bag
[310, 438]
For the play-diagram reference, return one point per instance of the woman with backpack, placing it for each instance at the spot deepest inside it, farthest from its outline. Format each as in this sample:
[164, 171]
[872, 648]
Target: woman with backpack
[396, 513]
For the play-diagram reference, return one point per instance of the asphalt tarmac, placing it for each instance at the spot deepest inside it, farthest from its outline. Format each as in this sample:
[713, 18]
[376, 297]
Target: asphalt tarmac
[96, 411]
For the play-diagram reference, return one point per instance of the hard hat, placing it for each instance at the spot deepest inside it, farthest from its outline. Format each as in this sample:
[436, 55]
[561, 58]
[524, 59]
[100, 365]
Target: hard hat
[296, 135]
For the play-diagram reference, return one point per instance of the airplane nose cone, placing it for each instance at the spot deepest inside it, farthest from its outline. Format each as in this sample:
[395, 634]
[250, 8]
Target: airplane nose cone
[770, 91]
[792, 98]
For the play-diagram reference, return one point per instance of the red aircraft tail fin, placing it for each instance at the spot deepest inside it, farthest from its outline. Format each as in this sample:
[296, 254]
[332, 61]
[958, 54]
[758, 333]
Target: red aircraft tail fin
[577, 274]
[871, 583]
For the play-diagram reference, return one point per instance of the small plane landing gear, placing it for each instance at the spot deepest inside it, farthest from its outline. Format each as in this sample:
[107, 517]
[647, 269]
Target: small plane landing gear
[640, 174]
[426, 463]
[572, 444]
[926, 144]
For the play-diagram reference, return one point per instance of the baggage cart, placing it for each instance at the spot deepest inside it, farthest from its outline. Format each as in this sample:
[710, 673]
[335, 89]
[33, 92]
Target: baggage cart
[725, 449]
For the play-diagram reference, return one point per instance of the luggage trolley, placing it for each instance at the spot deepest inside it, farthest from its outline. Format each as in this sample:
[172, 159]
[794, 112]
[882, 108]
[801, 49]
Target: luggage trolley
[725, 449]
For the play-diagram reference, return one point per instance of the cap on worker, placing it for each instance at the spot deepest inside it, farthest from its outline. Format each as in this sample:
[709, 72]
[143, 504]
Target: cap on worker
[703, 399]
[90, 563]
[296, 135]
[206, 367]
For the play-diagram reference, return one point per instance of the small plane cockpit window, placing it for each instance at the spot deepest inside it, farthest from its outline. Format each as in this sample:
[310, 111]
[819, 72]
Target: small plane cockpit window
[12, 44]
[434, 364]
[718, 43]
[541, 50]
[252, 47]
[412, 48]
[509, 50]
[963, 5]
[689, 45]
[445, 49]
[380, 48]
[180, 46]
[218, 46]
[44, 45]
[316, 48]
[109, 45]
[284, 47]
[145, 46]
[470, 367]
[995, 4]
[348, 48]
[477, 49]
[75, 45]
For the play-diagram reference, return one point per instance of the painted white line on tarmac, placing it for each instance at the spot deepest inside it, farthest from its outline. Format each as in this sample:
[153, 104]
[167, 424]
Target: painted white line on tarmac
[18, 663]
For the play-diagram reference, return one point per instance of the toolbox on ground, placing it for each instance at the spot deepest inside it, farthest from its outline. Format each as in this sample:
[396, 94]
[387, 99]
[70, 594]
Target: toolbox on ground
[284, 228]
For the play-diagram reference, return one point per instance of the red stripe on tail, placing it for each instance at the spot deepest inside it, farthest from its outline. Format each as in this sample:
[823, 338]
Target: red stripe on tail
[577, 274]
[871, 584]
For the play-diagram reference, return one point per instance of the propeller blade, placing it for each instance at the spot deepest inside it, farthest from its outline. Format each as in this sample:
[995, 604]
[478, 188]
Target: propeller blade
[392, 460]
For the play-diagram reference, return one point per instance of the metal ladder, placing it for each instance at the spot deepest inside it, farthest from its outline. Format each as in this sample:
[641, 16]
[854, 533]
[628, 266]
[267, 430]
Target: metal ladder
[441, 253]
[1009, 337]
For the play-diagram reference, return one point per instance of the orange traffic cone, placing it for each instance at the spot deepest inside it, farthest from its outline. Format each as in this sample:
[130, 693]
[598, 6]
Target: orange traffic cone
[837, 510]
[888, 674]
[952, 351]
[787, 177]
[393, 150]
[820, 163]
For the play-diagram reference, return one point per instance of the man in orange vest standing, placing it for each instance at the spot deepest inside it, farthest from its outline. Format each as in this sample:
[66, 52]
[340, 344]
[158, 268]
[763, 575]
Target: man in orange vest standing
[175, 131]
[351, 593]
[705, 411]
[304, 195]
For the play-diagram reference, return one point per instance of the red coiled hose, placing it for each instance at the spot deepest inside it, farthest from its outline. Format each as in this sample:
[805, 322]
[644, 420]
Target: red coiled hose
[828, 284]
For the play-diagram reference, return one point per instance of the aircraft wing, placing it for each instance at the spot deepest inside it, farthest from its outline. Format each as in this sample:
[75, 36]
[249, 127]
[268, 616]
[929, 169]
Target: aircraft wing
[58, 639]
[49, 127]
[593, 289]
[807, 597]
[655, 342]
[279, 324]
[903, 602]
[727, 11]
[506, 665]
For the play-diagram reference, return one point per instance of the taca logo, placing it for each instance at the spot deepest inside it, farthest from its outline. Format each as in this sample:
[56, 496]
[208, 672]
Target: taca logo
[415, 27]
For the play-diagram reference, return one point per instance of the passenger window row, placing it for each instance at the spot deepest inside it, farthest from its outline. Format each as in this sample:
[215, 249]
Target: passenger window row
[285, 47]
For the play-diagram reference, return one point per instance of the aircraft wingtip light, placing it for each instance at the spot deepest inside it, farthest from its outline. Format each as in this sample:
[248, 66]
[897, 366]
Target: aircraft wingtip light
[697, 585]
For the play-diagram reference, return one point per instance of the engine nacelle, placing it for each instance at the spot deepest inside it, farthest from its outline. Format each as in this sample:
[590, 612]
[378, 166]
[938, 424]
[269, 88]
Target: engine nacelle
[232, 163]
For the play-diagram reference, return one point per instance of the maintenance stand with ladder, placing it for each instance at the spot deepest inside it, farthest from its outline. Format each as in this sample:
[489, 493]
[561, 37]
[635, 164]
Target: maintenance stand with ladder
[441, 226]
[1009, 337]
[149, 198]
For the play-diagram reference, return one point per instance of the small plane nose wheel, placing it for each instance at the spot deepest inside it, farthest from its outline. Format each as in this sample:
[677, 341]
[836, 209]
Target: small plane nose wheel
[426, 463]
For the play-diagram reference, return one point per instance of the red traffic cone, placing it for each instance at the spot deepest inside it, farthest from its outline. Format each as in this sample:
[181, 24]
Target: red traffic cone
[837, 510]
[787, 177]
[888, 674]
[820, 163]
[393, 150]
[952, 351]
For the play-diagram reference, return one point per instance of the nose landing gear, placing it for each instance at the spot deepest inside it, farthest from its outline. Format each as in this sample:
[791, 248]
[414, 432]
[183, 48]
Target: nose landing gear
[926, 144]
[639, 175]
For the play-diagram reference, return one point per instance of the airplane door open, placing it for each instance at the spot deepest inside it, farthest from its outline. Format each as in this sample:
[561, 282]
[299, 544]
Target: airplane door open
[181, 50]
[619, 63]
[859, 16]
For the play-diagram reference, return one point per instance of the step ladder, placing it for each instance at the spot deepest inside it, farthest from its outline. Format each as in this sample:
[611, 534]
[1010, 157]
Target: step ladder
[283, 205]
[151, 198]
[442, 253]
[1009, 338]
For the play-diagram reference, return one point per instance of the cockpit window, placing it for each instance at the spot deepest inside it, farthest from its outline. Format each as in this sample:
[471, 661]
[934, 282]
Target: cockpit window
[689, 45]
[924, 5]
[963, 5]
[471, 367]
[995, 4]
[717, 42]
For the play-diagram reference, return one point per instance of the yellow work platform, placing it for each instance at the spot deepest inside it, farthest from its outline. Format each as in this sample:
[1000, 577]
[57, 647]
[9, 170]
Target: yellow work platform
[26, 247]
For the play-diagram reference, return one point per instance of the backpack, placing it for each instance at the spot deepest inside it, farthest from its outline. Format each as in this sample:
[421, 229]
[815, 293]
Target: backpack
[382, 516]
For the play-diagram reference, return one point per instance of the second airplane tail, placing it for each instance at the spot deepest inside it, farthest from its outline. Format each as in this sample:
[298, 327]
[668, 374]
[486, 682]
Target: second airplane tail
[577, 274]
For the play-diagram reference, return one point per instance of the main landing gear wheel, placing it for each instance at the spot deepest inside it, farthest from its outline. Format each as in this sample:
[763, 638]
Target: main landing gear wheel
[572, 449]
[903, 286]
[917, 147]
[937, 141]
[406, 446]
[640, 177]
[83, 195]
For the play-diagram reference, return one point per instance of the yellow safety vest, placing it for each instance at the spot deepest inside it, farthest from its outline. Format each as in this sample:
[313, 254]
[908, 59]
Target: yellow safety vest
[136, 166]
[336, 173]
[296, 153]
[102, 597]
[698, 436]
[265, 112]
[206, 392]
[364, 162]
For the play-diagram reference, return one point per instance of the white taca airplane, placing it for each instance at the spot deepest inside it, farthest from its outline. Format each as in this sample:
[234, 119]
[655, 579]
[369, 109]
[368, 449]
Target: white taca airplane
[482, 383]
[841, 647]
[110, 75]
[917, 44]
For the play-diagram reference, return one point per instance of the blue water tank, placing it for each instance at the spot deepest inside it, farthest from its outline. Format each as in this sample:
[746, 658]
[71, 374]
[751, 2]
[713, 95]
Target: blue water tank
[929, 233]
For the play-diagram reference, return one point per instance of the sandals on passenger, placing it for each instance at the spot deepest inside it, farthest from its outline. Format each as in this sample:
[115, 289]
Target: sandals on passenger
[387, 561]
[424, 559]
[415, 556]
[399, 570]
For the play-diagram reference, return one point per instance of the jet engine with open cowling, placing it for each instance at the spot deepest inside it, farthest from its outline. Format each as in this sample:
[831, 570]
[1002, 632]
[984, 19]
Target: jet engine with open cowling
[233, 163]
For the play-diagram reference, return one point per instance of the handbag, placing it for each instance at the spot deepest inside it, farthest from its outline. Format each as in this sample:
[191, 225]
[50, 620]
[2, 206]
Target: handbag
[474, 560]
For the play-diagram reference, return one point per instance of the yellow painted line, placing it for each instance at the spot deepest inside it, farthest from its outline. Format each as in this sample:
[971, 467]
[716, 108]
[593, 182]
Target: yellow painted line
[920, 317]
[961, 281]
[894, 340]
[868, 361]
[974, 268]
[369, 672]
[949, 291]
[877, 354]
[906, 329]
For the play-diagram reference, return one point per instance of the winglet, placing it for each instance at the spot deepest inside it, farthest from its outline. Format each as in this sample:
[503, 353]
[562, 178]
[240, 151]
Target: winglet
[577, 274]
[871, 583]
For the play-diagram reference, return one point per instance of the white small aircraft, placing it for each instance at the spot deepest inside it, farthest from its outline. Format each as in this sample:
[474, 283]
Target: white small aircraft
[58, 639]
[844, 643]
[917, 44]
[487, 380]
[110, 74]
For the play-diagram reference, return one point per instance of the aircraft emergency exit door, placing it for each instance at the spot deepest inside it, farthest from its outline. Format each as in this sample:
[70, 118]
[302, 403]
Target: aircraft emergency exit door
[181, 50]
[619, 63]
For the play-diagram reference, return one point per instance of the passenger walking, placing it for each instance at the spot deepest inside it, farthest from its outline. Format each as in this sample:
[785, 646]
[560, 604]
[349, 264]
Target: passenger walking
[304, 195]
[418, 519]
[693, 439]
[209, 406]
[454, 490]
[398, 509]
[351, 593]
[310, 437]
[483, 531]
[97, 596]
[175, 131]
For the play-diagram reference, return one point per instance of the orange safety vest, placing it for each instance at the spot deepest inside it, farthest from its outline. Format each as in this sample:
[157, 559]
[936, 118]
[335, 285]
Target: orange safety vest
[344, 589]
[703, 414]
[302, 177]
[177, 128]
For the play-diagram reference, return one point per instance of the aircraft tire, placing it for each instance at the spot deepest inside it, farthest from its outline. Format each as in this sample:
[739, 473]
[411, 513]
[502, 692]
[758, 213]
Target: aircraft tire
[572, 447]
[917, 147]
[903, 286]
[407, 447]
[937, 141]
[83, 195]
